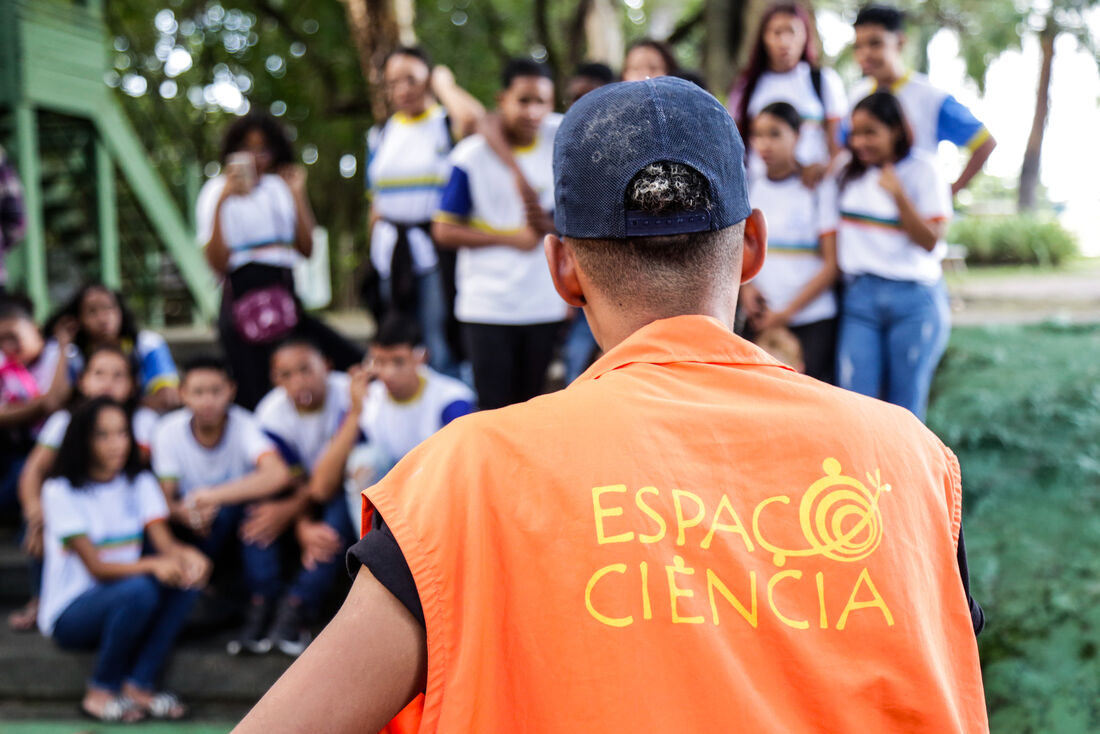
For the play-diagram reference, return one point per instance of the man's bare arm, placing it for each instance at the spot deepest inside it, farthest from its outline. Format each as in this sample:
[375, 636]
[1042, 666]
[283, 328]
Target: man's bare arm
[368, 664]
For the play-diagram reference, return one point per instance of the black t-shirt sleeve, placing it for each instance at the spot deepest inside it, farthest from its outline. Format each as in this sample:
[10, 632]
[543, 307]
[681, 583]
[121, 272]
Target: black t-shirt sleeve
[379, 552]
[977, 616]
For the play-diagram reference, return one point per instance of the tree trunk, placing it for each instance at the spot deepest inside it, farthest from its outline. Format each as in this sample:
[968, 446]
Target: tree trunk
[1029, 172]
[375, 30]
[730, 26]
[603, 32]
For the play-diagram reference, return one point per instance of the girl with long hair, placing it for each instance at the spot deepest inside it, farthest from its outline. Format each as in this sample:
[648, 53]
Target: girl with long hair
[894, 207]
[99, 591]
[784, 67]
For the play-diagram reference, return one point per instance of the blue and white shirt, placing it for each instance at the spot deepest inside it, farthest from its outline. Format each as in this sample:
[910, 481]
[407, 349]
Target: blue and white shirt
[303, 436]
[257, 227]
[500, 284]
[932, 113]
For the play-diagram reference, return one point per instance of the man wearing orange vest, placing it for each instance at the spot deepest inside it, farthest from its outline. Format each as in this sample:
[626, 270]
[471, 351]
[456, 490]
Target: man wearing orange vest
[690, 537]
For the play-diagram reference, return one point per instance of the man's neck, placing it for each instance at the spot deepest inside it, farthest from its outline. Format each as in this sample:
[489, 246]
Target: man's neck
[893, 74]
[612, 325]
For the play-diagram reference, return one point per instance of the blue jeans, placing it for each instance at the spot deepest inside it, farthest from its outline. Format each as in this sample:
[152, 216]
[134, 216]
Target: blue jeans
[892, 335]
[578, 348]
[262, 572]
[133, 621]
[312, 584]
[432, 314]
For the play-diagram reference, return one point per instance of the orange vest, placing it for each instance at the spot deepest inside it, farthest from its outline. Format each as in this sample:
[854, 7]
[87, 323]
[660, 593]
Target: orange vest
[689, 538]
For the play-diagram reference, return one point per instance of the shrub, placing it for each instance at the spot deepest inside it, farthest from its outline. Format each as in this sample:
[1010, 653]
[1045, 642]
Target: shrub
[1013, 240]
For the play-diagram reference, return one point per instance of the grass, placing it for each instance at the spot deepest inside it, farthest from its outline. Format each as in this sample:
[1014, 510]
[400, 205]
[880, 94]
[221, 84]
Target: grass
[1021, 408]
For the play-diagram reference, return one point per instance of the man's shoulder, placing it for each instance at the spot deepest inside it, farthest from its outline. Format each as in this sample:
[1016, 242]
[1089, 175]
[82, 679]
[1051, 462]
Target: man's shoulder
[470, 151]
[174, 421]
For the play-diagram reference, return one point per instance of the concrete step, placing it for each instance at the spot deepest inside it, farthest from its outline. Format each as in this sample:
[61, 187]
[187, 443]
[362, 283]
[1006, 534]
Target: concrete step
[33, 670]
[14, 576]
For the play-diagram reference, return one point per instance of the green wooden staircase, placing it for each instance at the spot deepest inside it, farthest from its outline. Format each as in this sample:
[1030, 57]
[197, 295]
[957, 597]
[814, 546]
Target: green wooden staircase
[74, 145]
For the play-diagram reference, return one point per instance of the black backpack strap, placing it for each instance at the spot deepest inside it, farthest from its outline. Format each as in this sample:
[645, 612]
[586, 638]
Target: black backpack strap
[815, 79]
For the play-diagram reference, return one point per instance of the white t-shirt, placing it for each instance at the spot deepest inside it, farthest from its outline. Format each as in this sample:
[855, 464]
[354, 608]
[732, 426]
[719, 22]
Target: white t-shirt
[257, 227]
[406, 172]
[931, 112]
[179, 456]
[43, 368]
[53, 431]
[797, 219]
[870, 239]
[112, 515]
[304, 436]
[500, 284]
[398, 427]
[796, 88]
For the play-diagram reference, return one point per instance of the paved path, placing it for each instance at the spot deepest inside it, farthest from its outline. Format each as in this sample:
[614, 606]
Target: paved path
[1020, 296]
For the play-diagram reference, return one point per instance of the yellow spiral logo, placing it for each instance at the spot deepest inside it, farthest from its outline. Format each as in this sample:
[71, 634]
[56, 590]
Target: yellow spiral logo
[839, 516]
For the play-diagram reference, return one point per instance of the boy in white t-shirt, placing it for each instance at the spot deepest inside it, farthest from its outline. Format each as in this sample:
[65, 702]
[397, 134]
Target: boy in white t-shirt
[933, 114]
[301, 415]
[506, 302]
[395, 402]
[213, 461]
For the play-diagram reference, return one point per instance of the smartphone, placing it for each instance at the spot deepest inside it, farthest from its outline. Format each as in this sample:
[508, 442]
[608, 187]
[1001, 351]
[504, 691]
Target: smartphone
[244, 165]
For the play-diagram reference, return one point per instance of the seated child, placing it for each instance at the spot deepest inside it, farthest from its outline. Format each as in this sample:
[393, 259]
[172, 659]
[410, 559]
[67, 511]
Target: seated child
[213, 461]
[34, 382]
[396, 401]
[103, 319]
[107, 373]
[99, 591]
[302, 414]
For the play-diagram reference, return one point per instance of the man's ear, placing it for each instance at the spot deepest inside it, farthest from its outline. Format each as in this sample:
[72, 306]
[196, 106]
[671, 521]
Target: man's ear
[754, 246]
[563, 270]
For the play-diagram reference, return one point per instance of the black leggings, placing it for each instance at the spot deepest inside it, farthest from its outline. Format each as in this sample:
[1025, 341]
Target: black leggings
[251, 363]
[818, 341]
[509, 361]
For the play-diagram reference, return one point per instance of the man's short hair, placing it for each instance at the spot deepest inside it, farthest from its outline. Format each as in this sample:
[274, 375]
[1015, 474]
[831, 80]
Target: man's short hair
[665, 271]
[302, 342]
[595, 71]
[206, 362]
[13, 306]
[520, 67]
[886, 16]
[398, 330]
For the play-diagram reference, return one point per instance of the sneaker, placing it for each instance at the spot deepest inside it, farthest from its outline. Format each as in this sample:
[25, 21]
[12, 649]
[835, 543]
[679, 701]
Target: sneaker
[251, 638]
[289, 633]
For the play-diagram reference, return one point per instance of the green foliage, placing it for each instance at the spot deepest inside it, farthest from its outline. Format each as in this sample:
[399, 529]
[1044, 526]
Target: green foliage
[1021, 408]
[1014, 240]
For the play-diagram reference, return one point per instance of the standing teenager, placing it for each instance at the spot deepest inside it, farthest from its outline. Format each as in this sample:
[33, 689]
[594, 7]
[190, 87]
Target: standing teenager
[784, 67]
[933, 114]
[406, 170]
[98, 590]
[795, 287]
[894, 209]
[510, 314]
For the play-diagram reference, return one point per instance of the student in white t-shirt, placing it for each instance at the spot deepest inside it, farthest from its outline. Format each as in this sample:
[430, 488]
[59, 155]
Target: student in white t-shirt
[784, 68]
[213, 461]
[254, 223]
[107, 373]
[302, 414]
[933, 114]
[395, 403]
[98, 590]
[794, 289]
[406, 170]
[510, 312]
[894, 208]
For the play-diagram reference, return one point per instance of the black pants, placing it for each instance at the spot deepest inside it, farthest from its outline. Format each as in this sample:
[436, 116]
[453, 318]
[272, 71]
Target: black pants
[818, 341]
[251, 363]
[509, 361]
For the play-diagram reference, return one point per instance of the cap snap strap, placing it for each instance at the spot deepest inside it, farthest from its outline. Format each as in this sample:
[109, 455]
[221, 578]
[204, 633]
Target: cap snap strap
[641, 224]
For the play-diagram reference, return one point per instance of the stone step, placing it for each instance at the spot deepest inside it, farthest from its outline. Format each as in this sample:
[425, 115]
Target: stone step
[34, 670]
[14, 575]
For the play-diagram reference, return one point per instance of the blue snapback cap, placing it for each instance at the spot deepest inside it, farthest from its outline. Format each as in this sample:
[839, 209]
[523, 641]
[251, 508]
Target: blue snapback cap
[613, 132]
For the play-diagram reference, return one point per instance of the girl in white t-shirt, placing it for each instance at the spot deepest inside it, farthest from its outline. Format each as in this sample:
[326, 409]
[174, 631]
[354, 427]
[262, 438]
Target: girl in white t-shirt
[784, 68]
[255, 222]
[894, 208]
[794, 289]
[407, 167]
[99, 592]
[107, 373]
